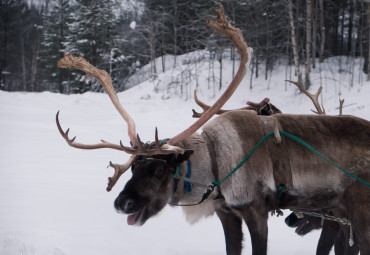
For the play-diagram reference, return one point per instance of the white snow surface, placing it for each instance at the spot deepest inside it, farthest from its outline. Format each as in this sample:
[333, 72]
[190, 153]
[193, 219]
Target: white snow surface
[52, 196]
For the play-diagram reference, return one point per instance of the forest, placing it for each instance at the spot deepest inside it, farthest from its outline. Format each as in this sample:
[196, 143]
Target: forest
[123, 36]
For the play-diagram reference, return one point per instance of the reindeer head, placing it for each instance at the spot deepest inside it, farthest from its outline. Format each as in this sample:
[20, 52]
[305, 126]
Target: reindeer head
[150, 187]
[153, 165]
[303, 225]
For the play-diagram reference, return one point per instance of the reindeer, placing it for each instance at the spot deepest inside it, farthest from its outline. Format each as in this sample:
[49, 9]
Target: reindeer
[332, 234]
[159, 169]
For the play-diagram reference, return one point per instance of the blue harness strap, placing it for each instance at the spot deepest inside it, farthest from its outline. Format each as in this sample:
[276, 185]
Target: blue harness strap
[187, 185]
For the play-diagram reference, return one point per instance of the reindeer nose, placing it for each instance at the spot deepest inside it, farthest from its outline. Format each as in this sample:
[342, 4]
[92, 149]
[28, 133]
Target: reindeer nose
[124, 205]
[128, 205]
[118, 204]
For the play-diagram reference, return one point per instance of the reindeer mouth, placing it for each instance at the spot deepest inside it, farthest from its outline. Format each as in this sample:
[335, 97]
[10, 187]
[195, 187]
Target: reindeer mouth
[297, 223]
[300, 227]
[136, 218]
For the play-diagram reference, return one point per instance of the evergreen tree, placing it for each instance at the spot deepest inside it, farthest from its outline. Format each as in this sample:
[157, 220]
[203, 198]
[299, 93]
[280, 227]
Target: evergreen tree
[93, 35]
[55, 31]
[19, 28]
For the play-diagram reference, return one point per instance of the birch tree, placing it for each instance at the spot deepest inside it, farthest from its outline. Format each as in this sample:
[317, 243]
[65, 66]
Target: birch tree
[294, 41]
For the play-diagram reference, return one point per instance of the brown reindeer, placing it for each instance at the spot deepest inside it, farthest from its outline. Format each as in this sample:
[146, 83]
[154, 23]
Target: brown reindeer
[332, 234]
[159, 169]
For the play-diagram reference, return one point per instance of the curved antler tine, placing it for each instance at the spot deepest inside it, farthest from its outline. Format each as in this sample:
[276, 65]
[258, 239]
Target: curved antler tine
[236, 36]
[70, 61]
[71, 142]
[118, 171]
[200, 103]
[260, 104]
[140, 144]
[314, 98]
[204, 106]
[157, 143]
[196, 114]
[341, 102]
[129, 150]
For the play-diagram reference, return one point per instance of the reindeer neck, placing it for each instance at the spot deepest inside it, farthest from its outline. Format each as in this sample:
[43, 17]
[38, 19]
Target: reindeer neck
[198, 169]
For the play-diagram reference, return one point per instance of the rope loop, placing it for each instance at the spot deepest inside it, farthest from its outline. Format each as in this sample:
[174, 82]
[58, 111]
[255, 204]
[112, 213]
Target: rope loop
[300, 142]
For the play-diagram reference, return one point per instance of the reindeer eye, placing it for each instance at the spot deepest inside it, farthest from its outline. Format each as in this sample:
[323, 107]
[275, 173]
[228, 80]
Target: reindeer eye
[159, 170]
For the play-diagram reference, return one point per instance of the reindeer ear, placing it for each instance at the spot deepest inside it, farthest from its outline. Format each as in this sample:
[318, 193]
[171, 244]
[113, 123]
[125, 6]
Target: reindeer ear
[183, 157]
[187, 154]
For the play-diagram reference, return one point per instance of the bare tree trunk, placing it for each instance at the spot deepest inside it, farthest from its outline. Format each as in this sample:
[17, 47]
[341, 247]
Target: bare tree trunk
[251, 74]
[23, 58]
[294, 42]
[314, 32]
[368, 41]
[163, 56]
[322, 28]
[256, 63]
[342, 31]
[3, 64]
[36, 50]
[220, 84]
[153, 65]
[175, 32]
[350, 27]
[308, 42]
[232, 47]
[268, 45]
[233, 60]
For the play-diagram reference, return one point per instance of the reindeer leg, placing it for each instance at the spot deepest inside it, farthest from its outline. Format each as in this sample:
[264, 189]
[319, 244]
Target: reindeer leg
[341, 244]
[232, 226]
[356, 202]
[255, 216]
[328, 237]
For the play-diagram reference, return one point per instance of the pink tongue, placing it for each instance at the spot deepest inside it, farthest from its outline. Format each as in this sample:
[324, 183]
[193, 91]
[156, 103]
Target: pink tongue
[132, 218]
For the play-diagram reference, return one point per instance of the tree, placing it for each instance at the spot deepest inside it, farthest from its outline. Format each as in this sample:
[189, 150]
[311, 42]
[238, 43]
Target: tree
[18, 32]
[294, 42]
[92, 34]
[54, 37]
[308, 42]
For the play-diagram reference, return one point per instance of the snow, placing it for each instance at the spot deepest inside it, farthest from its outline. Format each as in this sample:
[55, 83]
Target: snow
[133, 25]
[53, 199]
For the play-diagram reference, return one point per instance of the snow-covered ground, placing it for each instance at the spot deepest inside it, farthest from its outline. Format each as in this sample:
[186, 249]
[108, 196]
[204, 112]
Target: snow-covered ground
[53, 198]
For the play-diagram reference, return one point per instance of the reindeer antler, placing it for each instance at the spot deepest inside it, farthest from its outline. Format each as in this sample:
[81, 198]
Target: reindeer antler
[71, 142]
[205, 107]
[69, 61]
[314, 98]
[257, 107]
[118, 171]
[341, 102]
[235, 35]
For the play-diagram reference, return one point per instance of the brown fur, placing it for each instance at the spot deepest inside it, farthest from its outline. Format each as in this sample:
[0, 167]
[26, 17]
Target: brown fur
[251, 192]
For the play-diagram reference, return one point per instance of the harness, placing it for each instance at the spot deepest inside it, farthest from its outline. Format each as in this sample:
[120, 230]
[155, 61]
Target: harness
[281, 187]
[343, 221]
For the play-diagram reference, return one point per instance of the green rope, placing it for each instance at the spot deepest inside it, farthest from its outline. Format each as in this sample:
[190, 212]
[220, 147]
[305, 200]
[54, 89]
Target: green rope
[164, 140]
[244, 160]
[176, 172]
[318, 153]
[297, 140]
